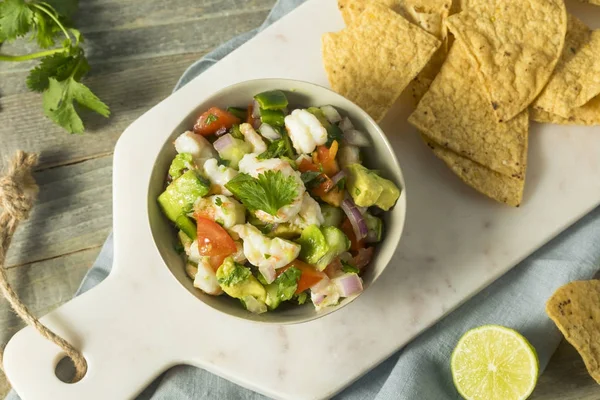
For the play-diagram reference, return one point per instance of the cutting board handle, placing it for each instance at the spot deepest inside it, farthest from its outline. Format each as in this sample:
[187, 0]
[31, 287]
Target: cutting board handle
[123, 331]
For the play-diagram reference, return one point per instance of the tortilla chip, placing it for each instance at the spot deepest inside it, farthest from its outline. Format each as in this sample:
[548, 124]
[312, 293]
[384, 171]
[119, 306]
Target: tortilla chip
[576, 79]
[515, 45]
[372, 61]
[575, 309]
[499, 187]
[430, 15]
[596, 2]
[454, 114]
[587, 115]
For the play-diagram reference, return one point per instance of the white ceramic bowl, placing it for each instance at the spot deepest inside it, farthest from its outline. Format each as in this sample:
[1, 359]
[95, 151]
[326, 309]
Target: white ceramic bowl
[380, 156]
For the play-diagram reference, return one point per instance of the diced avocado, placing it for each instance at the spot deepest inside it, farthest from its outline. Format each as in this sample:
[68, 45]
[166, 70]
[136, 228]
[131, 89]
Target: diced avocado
[368, 189]
[181, 194]
[274, 118]
[187, 226]
[333, 216]
[237, 281]
[389, 194]
[337, 243]
[181, 162]
[272, 100]
[285, 231]
[375, 226]
[313, 245]
[235, 152]
[283, 288]
[238, 112]
[333, 131]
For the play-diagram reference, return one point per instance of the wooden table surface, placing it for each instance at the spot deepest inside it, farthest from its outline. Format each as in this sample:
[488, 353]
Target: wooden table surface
[137, 49]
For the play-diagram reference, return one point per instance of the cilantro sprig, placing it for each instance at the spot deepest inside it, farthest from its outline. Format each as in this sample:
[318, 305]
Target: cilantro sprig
[61, 69]
[268, 192]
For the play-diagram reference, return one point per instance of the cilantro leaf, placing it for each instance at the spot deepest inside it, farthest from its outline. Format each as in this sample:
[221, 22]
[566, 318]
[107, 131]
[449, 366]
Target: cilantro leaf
[59, 66]
[287, 283]
[16, 18]
[45, 29]
[268, 192]
[59, 105]
[276, 149]
[210, 119]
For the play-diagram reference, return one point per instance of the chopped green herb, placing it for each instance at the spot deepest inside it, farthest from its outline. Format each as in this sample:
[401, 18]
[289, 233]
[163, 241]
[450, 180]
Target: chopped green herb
[179, 249]
[309, 176]
[268, 192]
[267, 256]
[236, 133]
[301, 298]
[349, 268]
[357, 191]
[238, 274]
[210, 119]
[218, 202]
[276, 149]
[287, 283]
[341, 185]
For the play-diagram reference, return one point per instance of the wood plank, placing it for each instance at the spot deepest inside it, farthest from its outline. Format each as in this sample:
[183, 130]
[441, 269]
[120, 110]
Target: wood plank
[566, 378]
[132, 71]
[130, 87]
[73, 212]
[42, 287]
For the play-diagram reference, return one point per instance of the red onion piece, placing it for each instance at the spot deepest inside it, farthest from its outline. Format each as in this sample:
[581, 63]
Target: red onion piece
[224, 142]
[356, 138]
[348, 285]
[256, 123]
[359, 225]
[268, 132]
[345, 124]
[321, 286]
[268, 273]
[338, 177]
[363, 258]
[317, 298]
[221, 131]
[332, 115]
[255, 109]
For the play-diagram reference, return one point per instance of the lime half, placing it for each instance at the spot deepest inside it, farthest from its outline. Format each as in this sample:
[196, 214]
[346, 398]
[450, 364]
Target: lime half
[494, 363]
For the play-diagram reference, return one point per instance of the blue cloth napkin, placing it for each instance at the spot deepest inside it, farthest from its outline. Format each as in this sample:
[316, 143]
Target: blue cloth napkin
[420, 370]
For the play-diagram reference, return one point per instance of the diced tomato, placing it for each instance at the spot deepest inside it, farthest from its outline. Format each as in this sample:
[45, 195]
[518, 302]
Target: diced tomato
[306, 165]
[213, 120]
[355, 245]
[326, 158]
[213, 239]
[310, 275]
[216, 261]
[363, 258]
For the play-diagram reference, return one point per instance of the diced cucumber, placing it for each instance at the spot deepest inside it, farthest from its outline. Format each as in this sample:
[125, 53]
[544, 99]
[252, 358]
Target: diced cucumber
[235, 152]
[337, 243]
[333, 216]
[187, 226]
[181, 194]
[375, 226]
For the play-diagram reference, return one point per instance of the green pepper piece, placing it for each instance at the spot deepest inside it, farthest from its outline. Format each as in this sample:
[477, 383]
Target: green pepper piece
[272, 117]
[272, 100]
[235, 132]
[241, 113]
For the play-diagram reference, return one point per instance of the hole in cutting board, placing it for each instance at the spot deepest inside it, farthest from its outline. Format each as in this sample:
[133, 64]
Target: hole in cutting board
[65, 370]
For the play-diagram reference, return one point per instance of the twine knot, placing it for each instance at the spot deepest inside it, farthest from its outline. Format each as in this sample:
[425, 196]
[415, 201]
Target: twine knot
[18, 191]
[18, 188]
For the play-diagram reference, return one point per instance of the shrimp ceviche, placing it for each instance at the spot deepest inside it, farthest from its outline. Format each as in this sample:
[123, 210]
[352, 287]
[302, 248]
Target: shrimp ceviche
[273, 204]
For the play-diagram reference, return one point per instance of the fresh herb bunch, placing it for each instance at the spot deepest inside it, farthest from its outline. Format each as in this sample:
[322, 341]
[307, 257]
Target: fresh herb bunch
[61, 69]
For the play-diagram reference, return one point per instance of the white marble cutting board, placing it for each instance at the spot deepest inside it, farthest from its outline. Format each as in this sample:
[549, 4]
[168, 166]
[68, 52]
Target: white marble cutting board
[455, 243]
